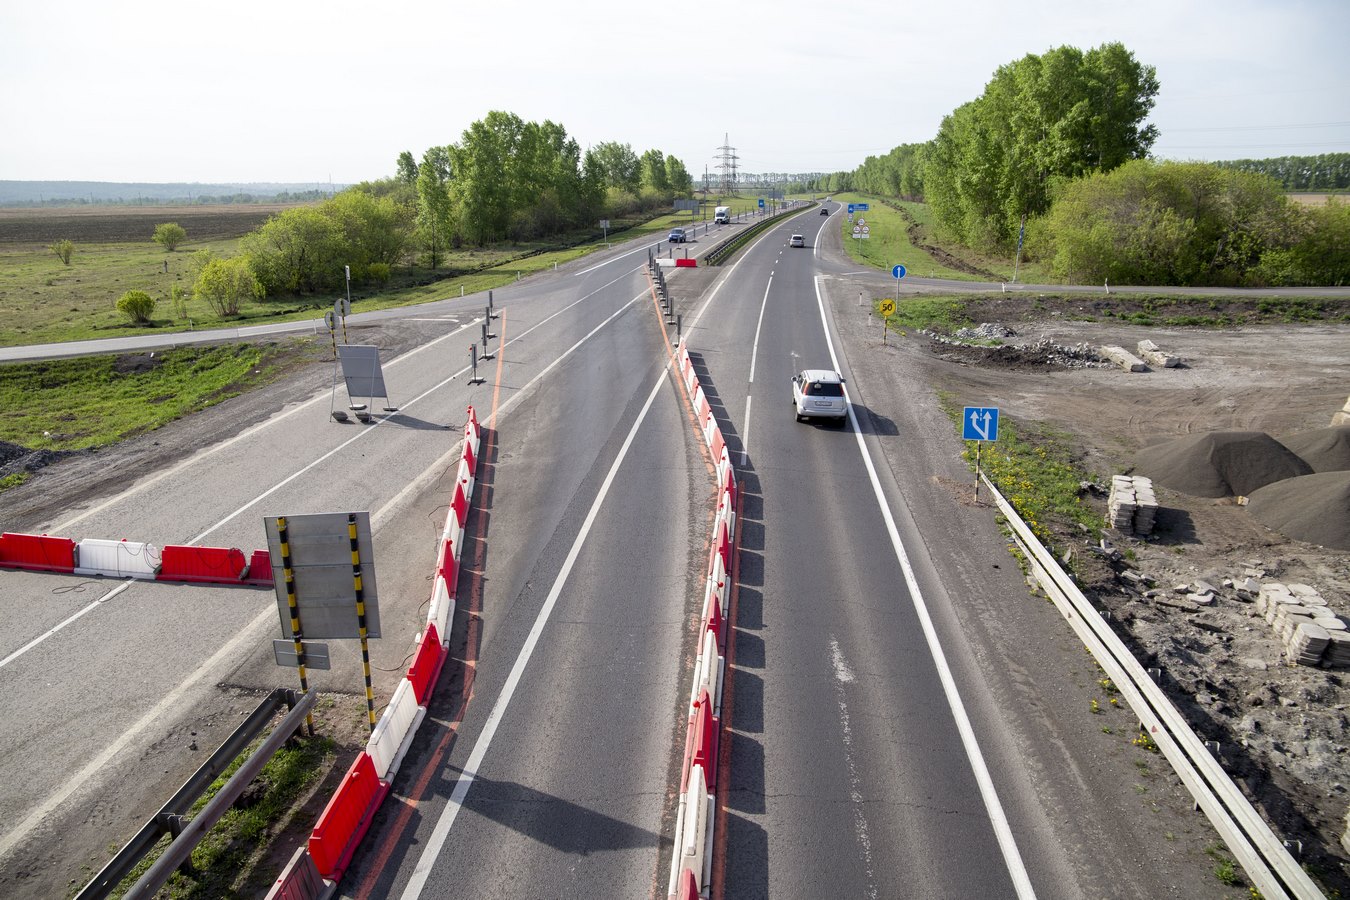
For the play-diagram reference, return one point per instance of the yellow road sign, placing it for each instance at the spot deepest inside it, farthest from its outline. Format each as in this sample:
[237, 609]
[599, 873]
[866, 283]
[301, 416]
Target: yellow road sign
[887, 307]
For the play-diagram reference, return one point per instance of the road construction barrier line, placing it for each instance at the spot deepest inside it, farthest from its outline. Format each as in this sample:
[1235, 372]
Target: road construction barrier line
[346, 818]
[396, 726]
[426, 665]
[700, 746]
[202, 565]
[37, 552]
[693, 833]
[469, 455]
[119, 559]
[464, 478]
[442, 608]
[460, 505]
[300, 880]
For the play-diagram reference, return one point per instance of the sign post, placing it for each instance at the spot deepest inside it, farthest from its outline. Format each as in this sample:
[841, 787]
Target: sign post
[979, 424]
[887, 308]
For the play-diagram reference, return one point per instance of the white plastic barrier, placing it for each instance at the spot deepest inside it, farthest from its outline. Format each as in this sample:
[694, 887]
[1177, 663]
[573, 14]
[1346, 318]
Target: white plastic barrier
[465, 477]
[442, 609]
[393, 733]
[121, 559]
[707, 673]
[693, 833]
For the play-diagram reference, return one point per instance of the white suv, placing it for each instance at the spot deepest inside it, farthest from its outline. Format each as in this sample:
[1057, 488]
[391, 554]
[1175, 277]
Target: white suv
[819, 393]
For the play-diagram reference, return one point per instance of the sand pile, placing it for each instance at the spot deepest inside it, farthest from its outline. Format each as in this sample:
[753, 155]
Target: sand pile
[1325, 449]
[1312, 508]
[1220, 463]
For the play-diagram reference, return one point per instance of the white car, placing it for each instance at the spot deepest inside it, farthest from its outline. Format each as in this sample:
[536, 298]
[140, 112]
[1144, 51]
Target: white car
[796, 241]
[819, 394]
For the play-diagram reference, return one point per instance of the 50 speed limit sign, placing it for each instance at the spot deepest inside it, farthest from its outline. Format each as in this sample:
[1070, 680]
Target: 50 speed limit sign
[887, 307]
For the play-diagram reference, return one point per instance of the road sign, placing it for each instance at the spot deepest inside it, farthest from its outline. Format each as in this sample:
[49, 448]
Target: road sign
[604, 223]
[323, 574]
[980, 423]
[857, 231]
[862, 207]
[866, 232]
[761, 202]
[852, 209]
[898, 272]
[861, 220]
[887, 307]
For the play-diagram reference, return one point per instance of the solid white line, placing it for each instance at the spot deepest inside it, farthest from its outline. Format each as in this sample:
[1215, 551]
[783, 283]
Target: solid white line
[754, 351]
[93, 604]
[436, 841]
[997, 817]
[745, 441]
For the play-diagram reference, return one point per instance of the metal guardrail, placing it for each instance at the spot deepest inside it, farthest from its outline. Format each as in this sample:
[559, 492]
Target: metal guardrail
[1262, 855]
[171, 818]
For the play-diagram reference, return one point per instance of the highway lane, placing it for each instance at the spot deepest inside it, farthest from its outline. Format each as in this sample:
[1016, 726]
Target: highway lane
[848, 772]
[173, 662]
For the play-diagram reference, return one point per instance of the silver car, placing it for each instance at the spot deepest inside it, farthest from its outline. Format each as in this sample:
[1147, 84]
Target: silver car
[819, 394]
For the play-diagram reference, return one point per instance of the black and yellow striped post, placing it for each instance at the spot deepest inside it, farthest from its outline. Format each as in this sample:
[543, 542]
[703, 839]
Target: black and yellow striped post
[297, 635]
[361, 617]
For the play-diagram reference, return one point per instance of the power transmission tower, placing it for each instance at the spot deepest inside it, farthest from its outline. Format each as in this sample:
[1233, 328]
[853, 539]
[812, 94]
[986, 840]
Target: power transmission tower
[727, 160]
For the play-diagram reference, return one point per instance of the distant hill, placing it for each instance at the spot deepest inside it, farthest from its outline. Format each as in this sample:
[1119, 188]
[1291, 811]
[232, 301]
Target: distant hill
[67, 193]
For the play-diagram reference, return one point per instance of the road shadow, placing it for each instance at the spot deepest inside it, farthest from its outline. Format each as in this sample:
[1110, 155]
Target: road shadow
[1173, 527]
[872, 422]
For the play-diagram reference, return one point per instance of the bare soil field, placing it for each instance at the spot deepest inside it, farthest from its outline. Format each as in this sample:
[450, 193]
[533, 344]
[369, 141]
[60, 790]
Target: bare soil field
[98, 224]
[1281, 728]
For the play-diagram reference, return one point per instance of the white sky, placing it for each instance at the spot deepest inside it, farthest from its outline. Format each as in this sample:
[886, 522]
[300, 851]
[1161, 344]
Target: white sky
[303, 91]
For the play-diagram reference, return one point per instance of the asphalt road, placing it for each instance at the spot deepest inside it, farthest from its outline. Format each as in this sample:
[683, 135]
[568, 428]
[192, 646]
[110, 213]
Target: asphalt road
[874, 750]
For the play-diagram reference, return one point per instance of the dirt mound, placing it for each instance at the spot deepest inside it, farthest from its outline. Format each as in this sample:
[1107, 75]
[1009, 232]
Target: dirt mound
[1220, 463]
[1325, 449]
[1310, 508]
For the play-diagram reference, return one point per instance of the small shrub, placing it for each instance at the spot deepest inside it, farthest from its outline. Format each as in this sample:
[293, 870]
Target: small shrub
[136, 306]
[178, 297]
[378, 272]
[169, 235]
[64, 249]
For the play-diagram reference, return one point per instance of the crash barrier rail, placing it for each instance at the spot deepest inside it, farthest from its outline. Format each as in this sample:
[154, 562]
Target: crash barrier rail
[349, 812]
[718, 254]
[1262, 855]
[695, 821]
[171, 818]
[134, 559]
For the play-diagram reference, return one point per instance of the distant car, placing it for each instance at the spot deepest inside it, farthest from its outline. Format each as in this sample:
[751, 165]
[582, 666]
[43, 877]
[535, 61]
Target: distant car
[677, 236]
[796, 241]
[819, 393]
[824, 211]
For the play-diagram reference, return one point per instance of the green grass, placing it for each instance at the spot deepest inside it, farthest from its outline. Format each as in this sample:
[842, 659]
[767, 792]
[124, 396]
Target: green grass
[1033, 467]
[231, 847]
[931, 313]
[71, 404]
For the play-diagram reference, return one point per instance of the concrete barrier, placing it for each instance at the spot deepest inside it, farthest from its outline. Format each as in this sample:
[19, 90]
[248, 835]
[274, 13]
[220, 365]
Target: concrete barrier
[119, 559]
[1123, 358]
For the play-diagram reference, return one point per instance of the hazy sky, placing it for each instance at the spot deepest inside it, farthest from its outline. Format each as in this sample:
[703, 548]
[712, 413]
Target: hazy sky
[297, 91]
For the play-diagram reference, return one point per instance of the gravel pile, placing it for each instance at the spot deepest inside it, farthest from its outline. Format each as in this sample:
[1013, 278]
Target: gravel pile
[1325, 449]
[1220, 463]
[1312, 508]
[984, 332]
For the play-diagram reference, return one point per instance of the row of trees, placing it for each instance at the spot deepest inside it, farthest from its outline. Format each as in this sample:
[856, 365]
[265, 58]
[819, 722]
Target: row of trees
[1324, 172]
[1058, 141]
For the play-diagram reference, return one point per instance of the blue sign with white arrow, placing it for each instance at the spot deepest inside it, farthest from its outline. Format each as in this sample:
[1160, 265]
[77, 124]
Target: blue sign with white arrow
[898, 271]
[980, 423]
[851, 207]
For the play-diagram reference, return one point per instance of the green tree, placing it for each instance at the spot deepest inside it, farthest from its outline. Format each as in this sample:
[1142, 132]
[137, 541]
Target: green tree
[678, 177]
[136, 306]
[653, 169]
[299, 251]
[64, 249]
[483, 188]
[407, 168]
[618, 165]
[224, 285]
[433, 202]
[169, 235]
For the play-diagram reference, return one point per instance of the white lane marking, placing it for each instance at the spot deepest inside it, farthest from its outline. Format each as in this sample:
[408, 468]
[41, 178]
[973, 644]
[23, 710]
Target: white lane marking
[844, 675]
[998, 818]
[732, 271]
[754, 351]
[745, 441]
[55, 628]
[251, 631]
[441, 832]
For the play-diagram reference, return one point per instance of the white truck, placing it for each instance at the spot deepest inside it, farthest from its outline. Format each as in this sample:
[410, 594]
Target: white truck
[722, 215]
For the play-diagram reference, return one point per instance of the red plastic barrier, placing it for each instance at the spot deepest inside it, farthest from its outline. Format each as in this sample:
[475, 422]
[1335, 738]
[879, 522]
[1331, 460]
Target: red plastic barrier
[473, 420]
[714, 622]
[689, 263]
[468, 450]
[700, 746]
[460, 505]
[346, 817]
[722, 543]
[718, 445]
[259, 568]
[300, 880]
[205, 565]
[37, 552]
[688, 889]
[426, 666]
[448, 567]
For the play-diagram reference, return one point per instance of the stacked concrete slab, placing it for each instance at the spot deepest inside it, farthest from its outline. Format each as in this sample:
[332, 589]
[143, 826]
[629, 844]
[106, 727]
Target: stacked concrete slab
[1132, 505]
[1123, 358]
[1311, 632]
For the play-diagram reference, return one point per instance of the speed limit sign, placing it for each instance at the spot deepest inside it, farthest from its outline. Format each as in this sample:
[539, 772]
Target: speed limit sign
[887, 307]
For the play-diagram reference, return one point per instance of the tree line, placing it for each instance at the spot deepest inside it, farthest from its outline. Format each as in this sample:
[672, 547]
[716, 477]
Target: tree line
[1055, 151]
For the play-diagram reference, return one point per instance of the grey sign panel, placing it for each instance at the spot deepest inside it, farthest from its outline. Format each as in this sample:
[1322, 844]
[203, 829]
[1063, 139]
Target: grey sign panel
[316, 655]
[361, 370]
[686, 205]
[321, 565]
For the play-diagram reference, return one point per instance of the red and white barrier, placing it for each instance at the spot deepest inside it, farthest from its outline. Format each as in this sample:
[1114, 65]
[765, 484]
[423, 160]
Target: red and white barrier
[119, 559]
[346, 818]
[394, 732]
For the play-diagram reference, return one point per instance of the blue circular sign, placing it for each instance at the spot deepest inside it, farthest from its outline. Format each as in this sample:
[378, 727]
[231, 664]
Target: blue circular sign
[898, 271]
